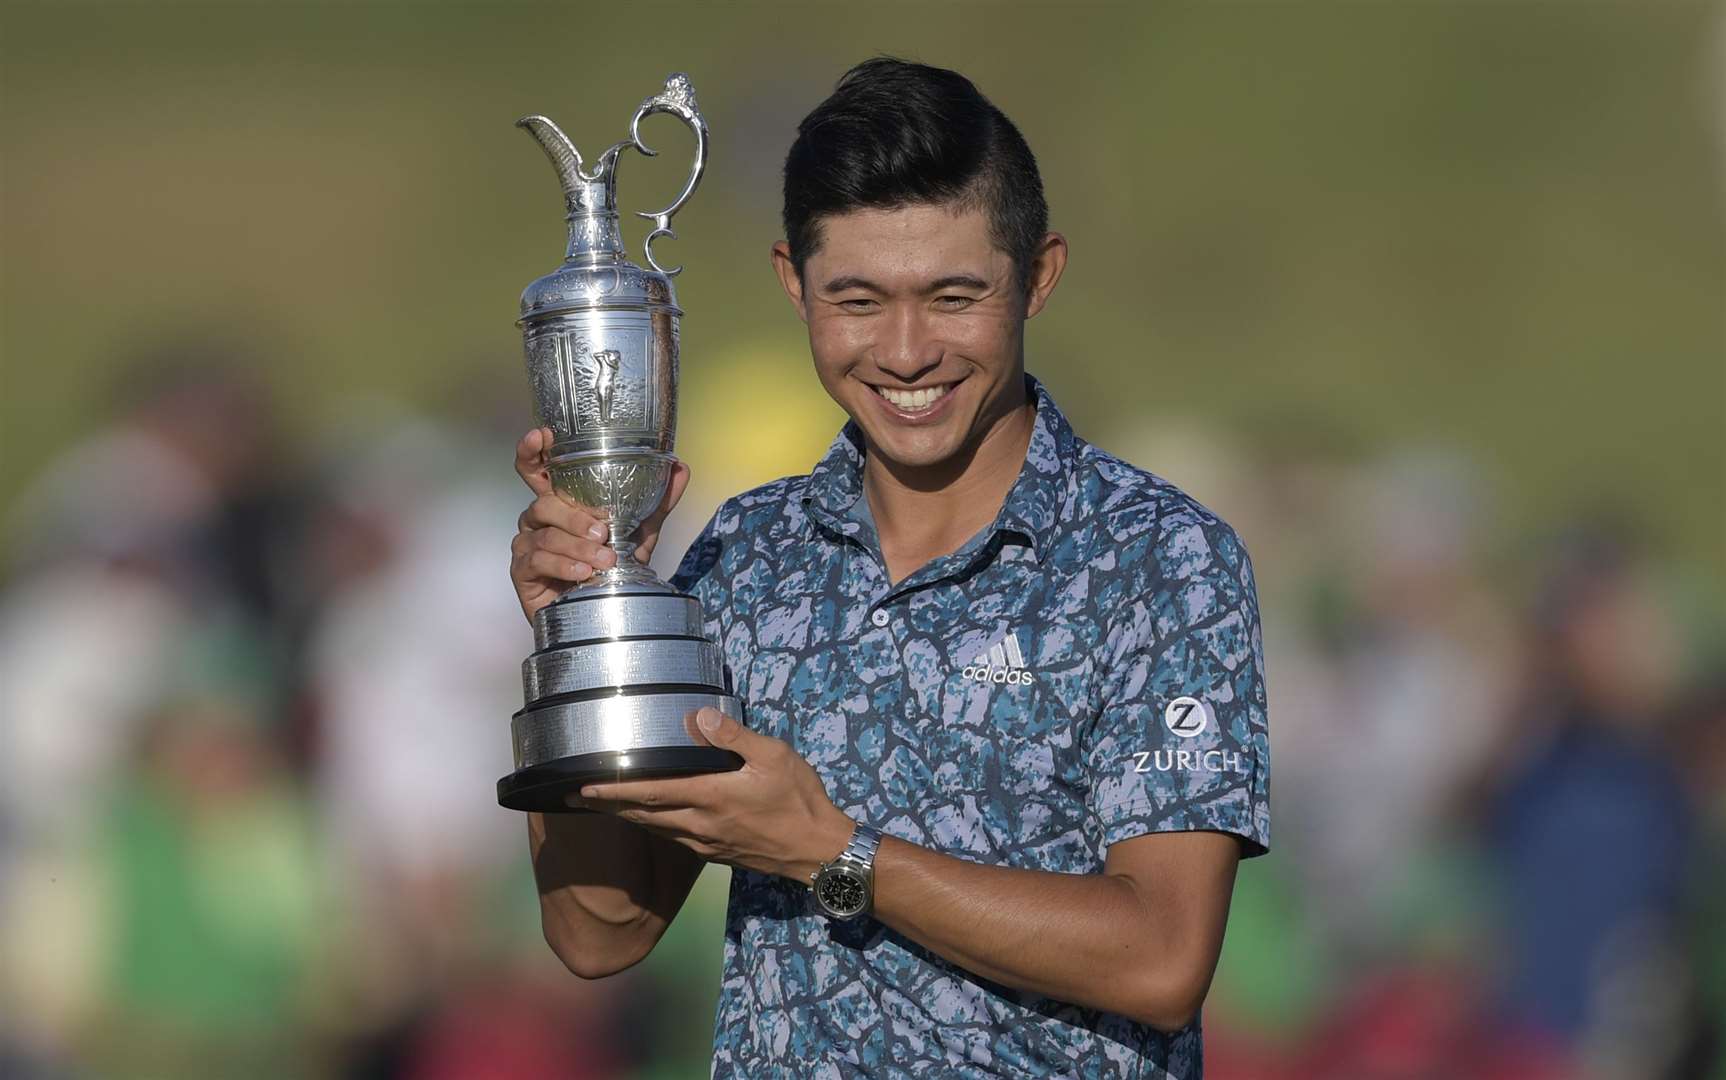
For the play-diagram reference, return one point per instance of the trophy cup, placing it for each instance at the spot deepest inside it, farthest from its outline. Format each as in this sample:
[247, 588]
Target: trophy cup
[620, 663]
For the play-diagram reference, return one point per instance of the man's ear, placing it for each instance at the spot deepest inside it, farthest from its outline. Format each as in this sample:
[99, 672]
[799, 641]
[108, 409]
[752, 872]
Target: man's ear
[1046, 269]
[789, 279]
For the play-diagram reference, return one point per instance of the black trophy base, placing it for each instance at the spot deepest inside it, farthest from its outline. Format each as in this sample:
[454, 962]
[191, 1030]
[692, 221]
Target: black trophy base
[543, 788]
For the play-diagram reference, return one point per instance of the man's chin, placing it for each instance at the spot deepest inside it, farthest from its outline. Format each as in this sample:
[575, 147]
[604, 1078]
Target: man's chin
[915, 453]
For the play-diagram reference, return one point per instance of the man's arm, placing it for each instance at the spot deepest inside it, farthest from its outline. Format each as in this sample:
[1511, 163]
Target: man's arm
[1140, 939]
[607, 888]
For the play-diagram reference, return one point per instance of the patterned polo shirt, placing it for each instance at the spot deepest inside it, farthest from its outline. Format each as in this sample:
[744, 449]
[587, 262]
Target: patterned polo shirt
[1086, 669]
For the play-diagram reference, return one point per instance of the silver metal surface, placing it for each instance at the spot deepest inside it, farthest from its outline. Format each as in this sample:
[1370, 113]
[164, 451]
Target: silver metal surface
[636, 722]
[678, 99]
[604, 380]
[599, 665]
[630, 485]
[600, 337]
[600, 618]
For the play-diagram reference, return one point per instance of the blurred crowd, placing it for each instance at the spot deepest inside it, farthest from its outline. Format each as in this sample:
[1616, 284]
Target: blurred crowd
[255, 695]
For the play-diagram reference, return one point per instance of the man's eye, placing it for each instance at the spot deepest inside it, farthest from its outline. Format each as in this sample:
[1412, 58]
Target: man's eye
[954, 303]
[857, 305]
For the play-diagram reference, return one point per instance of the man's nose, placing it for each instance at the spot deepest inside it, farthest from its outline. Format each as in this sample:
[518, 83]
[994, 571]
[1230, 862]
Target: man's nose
[909, 345]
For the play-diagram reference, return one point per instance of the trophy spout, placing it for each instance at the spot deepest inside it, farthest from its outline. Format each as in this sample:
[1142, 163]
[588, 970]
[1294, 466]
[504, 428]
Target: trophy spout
[589, 195]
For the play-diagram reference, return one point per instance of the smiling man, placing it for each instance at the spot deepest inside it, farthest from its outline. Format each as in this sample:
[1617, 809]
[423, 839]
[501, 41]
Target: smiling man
[1006, 736]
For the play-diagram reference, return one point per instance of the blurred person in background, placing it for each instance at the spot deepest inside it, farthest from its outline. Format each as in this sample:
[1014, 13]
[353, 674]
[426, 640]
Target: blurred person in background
[1590, 821]
[1356, 952]
[1402, 704]
[185, 480]
[405, 648]
[406, 653]
[1698, 725]
[408, 650]
[172, 900]
[153, 530]
[1058, 825]
[211, 881]
[167, 515]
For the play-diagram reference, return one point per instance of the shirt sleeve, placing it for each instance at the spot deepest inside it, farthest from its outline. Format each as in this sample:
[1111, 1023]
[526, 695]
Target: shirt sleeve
[1182, 738]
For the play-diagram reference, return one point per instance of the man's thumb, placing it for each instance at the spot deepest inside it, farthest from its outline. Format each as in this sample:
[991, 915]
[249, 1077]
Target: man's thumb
[719, 729]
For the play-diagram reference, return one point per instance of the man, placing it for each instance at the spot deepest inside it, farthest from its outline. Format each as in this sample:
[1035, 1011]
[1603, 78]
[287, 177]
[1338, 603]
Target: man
[1015, 681]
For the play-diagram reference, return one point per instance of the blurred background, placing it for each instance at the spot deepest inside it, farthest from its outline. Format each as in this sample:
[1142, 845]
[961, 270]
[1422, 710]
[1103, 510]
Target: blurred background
[1425, 299]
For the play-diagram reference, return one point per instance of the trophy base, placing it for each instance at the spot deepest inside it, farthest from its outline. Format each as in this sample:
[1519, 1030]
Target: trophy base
[611, 692]
[543, 788]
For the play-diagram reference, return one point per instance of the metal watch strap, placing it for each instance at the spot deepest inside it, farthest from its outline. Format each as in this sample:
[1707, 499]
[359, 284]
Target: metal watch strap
[865, 841]
[858, 858]
[860, 849]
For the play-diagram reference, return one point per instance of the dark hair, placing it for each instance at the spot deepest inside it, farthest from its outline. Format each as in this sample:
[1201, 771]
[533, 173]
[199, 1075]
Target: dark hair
[894, 133]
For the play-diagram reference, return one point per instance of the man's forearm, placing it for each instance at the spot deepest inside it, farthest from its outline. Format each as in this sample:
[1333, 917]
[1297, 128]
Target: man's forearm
[607, 888]
[1056, 934]
[1140, 939]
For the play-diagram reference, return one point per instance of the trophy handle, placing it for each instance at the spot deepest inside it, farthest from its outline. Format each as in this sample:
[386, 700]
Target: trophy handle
[678, 99]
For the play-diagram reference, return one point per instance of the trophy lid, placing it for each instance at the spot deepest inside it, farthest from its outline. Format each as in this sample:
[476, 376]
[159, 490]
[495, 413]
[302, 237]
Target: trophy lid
[596, 273]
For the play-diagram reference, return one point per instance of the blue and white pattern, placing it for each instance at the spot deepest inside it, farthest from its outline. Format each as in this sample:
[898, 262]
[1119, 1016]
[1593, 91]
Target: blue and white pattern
[1087, 669]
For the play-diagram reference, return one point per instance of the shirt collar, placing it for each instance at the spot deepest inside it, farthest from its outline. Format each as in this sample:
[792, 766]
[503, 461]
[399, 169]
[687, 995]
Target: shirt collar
[1033, 504]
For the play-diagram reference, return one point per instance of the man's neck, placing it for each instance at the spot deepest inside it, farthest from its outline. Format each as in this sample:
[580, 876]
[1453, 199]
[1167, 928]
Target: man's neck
[923, 514]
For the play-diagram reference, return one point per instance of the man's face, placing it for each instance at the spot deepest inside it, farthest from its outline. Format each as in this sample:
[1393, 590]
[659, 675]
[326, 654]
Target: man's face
[916, 324]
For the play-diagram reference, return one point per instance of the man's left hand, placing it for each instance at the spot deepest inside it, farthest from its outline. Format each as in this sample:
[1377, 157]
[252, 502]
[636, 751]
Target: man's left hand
[772, 815]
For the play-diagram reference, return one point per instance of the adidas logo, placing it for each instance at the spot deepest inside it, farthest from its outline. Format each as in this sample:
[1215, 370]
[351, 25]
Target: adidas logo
[1003, 663]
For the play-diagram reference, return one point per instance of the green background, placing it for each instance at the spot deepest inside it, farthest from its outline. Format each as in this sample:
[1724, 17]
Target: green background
[1497, 225]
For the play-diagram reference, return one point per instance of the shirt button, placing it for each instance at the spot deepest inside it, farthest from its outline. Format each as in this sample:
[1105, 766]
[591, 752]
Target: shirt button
[879, 618]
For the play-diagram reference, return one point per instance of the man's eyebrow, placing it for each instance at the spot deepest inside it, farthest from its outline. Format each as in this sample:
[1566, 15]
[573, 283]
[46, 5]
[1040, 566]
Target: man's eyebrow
[949, 281]
[961, 281]
[852, 281]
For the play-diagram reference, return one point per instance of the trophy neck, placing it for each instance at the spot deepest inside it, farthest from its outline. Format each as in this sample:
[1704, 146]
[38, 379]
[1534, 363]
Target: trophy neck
[594, 238]
[590, 202]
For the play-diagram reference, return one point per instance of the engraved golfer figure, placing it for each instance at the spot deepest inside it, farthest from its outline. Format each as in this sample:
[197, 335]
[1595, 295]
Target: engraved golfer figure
[605, 380]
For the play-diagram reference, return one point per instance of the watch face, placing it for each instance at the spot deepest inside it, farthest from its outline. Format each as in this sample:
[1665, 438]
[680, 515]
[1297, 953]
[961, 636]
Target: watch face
[842, 891]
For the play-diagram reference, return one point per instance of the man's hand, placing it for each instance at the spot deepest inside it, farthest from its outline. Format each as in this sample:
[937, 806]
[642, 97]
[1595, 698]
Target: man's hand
[772, 815]
[559, 543]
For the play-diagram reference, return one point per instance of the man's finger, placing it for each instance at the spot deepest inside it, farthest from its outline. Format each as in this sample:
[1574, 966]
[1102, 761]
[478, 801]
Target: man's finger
[561, 543]
[723, 731]
[649, 536]
[541, 565]
[685, 825]
[552, 510]
[674, 793]
[530, 460]
[673, 491]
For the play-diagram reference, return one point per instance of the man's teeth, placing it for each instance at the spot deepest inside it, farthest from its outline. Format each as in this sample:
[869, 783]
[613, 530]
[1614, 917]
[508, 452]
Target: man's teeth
[913, 400]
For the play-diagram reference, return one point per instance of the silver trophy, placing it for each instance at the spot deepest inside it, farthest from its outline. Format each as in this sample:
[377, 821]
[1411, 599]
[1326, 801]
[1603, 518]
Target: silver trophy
[620, 663]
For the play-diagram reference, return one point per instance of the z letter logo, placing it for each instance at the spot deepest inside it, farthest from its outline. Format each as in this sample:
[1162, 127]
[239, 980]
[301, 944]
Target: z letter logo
[1187, 716]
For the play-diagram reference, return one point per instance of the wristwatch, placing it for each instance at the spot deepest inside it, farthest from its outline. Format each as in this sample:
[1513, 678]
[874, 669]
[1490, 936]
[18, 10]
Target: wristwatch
[845, 887]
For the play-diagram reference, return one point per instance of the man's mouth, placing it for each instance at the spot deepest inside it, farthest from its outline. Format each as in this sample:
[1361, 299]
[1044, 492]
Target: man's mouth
[915, 401]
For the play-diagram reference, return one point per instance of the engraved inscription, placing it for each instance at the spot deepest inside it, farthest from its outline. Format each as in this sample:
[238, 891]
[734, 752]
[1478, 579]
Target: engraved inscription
[617, 664]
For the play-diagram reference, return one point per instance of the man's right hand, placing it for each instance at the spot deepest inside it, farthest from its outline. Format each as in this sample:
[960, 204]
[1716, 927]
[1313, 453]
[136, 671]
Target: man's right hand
[559, 543]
